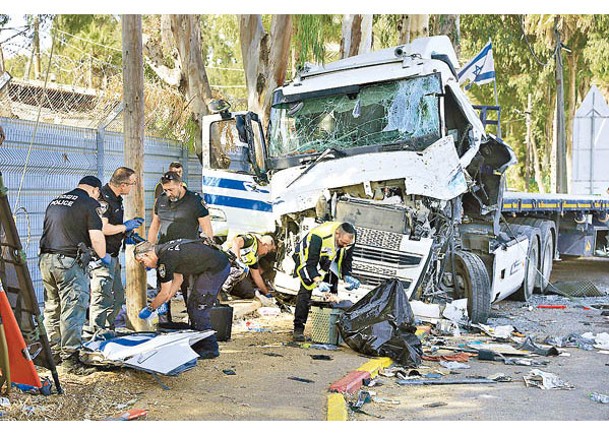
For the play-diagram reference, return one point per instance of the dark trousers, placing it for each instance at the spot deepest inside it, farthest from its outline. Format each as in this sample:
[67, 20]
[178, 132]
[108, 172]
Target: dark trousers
[303, 302]
[201, 298]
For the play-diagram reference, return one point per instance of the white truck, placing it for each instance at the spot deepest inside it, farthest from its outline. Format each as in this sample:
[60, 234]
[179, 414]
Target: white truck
[390, 143]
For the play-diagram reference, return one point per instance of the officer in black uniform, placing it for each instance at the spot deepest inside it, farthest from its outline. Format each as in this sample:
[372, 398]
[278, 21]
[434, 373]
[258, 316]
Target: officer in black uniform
[107, 291]
[178, 214]
[70, 220]
[173, 167]
[208, 268]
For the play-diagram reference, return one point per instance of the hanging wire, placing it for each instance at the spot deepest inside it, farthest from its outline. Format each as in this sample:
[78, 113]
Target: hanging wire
[526, 39]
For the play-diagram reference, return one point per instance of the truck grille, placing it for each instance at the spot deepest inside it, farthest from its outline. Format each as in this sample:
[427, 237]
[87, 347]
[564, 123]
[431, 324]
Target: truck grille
[394, 258]
[374, 281]
[374, 269]
[380, 239]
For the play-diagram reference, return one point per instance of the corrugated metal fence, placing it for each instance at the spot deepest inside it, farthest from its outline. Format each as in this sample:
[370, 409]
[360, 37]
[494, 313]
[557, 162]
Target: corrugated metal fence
[59, 156]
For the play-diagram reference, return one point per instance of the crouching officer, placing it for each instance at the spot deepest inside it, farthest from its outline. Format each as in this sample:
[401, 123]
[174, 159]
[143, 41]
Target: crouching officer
[322, 257]
[72, 225]
[248, 249]
[207, 267]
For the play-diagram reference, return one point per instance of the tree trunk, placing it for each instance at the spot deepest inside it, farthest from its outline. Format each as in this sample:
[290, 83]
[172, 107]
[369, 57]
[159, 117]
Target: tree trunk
[449, 25]
[412, 27]
[36, 48]
[194, 83]
[537, 167]
[133, 97]
[265, 59]
[356, 35]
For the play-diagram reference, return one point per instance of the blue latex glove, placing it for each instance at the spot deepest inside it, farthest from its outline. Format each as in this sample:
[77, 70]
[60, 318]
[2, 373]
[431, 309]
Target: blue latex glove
[352, 283]
[324, 287]
[162, 309]
[107, 260]
[132, 224]
[146, 313]
[129, 241]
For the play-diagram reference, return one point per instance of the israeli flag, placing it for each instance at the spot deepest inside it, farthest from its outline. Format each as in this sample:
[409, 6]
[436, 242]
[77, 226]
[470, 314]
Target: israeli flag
[480, 70]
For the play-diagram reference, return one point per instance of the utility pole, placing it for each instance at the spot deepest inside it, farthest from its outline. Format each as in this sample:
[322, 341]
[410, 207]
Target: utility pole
[561, 146]
[528, 143]
[133, 120]
[36, 48]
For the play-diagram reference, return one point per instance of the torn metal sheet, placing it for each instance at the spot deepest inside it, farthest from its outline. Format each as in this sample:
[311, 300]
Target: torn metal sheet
[504, 349]
[456, 311]
[156, 353]
[498, 332]
[545, 381]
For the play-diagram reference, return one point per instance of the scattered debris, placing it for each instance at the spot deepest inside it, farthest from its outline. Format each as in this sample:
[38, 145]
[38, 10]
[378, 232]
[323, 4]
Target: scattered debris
[296, 378]
[132, 414]
[601, 340]
[575, 289]
[571, 340]
[456, 311]
[444, 381]
[435, 404]
[545, 380]
[503, 349]
[529, 344]
[500, 377]
[599, 397]
[321, 357]
[498, 332]
[229, 372]
[454, 365]
[320, 346]
[552, 307]
[386, 401]
[272, 354]
[5, 402]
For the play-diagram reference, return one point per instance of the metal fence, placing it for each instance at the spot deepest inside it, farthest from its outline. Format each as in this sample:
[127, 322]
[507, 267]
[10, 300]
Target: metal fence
[40, 162]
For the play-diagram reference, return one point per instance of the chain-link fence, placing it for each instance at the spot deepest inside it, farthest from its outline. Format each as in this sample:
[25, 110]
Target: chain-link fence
[40, 161]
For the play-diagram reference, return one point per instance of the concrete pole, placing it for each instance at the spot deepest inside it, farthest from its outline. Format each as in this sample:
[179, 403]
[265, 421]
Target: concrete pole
[561, 145]
[133, 119]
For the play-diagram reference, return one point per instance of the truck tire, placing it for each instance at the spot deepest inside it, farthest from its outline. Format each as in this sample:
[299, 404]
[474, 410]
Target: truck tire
[525, 291]
[472, 282]
[547, 228]
[546, 261]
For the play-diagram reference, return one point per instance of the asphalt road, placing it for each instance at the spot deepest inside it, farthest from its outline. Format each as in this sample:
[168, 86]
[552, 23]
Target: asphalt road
[587, 371]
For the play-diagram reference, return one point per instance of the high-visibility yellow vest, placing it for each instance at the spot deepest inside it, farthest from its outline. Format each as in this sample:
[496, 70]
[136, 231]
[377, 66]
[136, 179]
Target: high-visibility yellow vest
[249, 255]
[329, 250]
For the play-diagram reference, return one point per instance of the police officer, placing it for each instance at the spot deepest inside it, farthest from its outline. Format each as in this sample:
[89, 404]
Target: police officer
[322, 257]
[249, 248]
[173, 167]
[208, 267]
[70, 220]
[107, 292]
[178, 214]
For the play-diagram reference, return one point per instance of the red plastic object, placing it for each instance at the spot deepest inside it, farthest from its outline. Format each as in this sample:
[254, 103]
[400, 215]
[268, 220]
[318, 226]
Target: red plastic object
[350, 383]
[21, 365]
[557, 307]
[132, 414]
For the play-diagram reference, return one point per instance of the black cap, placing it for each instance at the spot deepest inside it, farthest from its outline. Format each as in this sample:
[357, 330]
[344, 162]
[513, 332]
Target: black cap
[92, 181]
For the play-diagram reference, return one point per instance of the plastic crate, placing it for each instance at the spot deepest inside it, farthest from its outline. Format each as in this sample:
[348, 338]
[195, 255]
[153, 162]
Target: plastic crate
[321, 325]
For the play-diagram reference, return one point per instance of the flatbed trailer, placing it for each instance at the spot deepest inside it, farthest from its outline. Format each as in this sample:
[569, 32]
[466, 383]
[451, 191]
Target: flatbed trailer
[580, 221]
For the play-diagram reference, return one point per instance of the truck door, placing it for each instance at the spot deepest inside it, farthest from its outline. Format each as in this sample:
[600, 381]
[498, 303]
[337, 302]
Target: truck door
[234, 184]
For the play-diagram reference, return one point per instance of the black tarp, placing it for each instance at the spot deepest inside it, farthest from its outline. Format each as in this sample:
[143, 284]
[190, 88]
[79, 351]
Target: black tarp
[382, 324]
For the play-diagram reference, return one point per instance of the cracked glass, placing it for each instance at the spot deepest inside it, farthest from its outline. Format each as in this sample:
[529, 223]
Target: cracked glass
[404, 112]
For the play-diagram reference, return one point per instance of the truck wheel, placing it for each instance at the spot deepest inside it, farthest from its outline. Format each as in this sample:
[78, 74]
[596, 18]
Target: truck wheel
[472, 282]
[547, 261]
[525, 292]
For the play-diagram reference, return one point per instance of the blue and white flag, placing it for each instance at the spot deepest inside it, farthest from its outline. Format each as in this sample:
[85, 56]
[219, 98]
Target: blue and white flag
[481, 69]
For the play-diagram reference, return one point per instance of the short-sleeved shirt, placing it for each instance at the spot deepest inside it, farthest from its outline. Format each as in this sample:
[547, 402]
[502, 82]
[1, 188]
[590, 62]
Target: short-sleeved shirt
[188, 258]
[180, 219]
[67, 221]
[114, 212]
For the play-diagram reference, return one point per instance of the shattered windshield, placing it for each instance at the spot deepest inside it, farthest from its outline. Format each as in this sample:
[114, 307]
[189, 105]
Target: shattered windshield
[402, 112]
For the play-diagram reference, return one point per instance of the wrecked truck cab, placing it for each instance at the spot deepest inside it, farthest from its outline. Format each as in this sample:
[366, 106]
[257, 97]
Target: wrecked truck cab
[386, 141]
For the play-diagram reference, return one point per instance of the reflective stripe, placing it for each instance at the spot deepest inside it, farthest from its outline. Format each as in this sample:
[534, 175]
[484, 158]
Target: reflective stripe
[328, 250]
